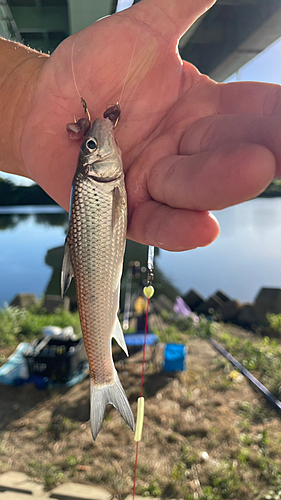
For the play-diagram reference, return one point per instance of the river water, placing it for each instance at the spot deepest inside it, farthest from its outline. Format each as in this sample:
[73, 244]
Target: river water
[246, 255]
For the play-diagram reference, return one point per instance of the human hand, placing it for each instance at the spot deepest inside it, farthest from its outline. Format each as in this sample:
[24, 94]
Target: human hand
[189, 145]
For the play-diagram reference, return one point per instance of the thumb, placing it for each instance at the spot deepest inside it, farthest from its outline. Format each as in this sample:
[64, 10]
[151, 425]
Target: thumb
[173, 17]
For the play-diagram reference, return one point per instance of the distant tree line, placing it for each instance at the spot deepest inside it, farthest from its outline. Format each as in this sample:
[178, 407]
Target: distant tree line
[10, 194]
[274, 189]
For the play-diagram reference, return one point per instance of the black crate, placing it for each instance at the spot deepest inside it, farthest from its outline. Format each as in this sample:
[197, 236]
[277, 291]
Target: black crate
[58, 360]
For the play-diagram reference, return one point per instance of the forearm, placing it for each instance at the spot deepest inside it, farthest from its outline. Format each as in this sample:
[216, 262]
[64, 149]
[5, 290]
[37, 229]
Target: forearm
[20, 67]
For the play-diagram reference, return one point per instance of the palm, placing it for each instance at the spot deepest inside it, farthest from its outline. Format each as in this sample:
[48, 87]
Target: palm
[151, 87]
[160, 99]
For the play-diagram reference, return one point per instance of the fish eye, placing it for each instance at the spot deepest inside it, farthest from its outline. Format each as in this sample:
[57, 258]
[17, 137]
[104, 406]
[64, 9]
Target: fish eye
[91, 145]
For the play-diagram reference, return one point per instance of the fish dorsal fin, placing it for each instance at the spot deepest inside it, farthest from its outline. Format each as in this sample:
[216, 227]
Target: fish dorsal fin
[119, 336]
[67, 271]
[116, 206]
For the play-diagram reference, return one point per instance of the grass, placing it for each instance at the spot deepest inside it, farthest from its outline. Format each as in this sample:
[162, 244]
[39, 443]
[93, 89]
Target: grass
[61, 425]
[262, 357]
[254, 414]
[243, 456]
[153, 488]
[50, 474]
[18, 325]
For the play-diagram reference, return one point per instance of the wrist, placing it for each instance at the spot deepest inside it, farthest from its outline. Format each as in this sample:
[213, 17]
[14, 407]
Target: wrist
[20, 67]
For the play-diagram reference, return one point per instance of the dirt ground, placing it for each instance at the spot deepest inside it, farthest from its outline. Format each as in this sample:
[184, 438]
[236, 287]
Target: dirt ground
[204, 435]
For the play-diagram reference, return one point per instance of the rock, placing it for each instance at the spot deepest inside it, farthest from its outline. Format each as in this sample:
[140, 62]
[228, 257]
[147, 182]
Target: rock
[24, 300]
[137, 497]
[268, 300]
[222, 296]
[214, 303]
[76, 491]
[10, 495]
[247, 316]
[193, 300]
[20, 483]
[230, 310]
[52, 302]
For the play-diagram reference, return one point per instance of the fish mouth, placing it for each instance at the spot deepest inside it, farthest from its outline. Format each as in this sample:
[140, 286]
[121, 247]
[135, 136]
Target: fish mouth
[104, 180]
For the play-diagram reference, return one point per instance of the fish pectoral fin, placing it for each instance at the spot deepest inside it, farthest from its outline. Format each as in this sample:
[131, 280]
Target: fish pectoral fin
[118, 335]
[102, 395]
[66, 271]
[116, 206]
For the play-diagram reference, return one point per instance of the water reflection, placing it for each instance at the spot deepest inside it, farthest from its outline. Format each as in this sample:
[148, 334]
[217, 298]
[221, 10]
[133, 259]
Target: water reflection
[10, 221]
[134, 252]
[52, 220]
[246, 256]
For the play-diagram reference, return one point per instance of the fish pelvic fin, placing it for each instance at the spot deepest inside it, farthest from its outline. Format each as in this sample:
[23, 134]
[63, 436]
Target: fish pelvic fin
[102, 395]
[67, 271]
[118, 335]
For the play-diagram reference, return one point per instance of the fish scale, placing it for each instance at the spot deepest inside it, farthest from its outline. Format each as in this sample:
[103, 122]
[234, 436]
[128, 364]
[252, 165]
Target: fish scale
[94, 252]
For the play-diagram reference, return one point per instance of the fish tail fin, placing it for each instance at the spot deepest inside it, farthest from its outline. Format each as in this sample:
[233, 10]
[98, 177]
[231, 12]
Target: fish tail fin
[102, 395]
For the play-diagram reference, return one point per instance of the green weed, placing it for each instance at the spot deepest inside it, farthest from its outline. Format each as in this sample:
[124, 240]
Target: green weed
[243, 455]
[153, 489]
[222, 384]
[245, 439]
[274, 321]
[263, 357]
[226, 481]
[11, 320]
[252, 413]
[170, 334]
[59, 425]
[3, 449]
[48, 473]
[17, 325]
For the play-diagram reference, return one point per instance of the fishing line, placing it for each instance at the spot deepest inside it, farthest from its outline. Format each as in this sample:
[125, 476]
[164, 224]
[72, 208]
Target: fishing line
[83, 102]
[148, 292]
[72, 68]
[129, 67]
[141, 393]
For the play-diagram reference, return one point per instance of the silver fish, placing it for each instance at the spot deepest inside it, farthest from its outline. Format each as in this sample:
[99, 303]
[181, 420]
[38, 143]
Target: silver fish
[93, 253]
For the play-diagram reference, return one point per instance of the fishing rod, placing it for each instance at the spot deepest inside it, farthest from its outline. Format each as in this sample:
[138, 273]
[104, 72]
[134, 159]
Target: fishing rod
[272, 399]
[127, 306]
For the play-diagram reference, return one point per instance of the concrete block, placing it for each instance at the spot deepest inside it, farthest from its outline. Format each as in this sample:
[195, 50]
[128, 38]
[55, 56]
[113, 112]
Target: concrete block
[51, 302]
[76, 491]
[12, 495]
[193, 300]
[211, 305]
[268, 300]
[137, 497]
[230, 310]
[221, 295]
[24, 300]
[247, 316]
[20, 483]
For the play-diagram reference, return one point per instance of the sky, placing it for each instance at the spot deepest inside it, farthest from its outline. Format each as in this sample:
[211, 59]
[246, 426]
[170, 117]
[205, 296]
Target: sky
[265, 67]
[124, 4]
